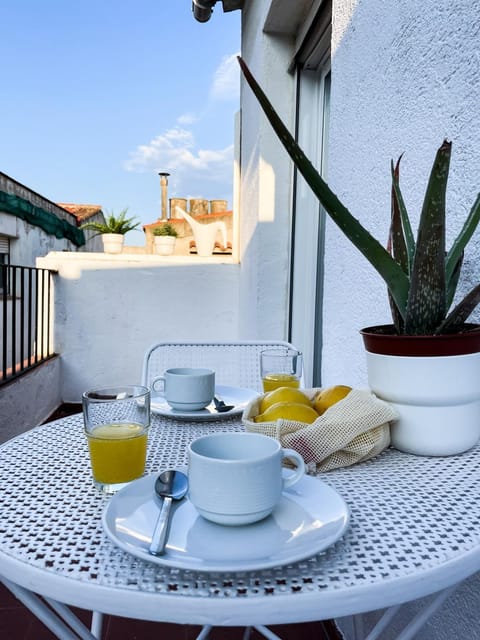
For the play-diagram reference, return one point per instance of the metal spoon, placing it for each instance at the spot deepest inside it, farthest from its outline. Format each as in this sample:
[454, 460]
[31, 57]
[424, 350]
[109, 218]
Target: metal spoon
[170, 485]
[220, 405]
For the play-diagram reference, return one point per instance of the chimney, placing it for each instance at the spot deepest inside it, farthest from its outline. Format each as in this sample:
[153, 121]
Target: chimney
[163, 188]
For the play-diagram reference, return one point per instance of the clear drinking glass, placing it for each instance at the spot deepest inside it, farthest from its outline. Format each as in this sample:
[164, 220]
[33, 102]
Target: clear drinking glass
[280, 367]
[116, 426]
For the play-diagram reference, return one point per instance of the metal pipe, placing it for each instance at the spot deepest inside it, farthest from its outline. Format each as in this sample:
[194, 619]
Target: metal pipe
[163, 187]
[203, 9]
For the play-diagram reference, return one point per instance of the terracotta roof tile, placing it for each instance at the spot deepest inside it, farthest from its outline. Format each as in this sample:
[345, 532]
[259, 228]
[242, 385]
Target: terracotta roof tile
[81, 211]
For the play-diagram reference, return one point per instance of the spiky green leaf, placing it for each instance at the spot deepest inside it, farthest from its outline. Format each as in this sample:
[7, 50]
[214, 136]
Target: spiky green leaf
[452, 282]
[457, 248]
[376, 254]
[113, 224]
[403, 242]
[461, 312]
[427, 297]
[396, 244]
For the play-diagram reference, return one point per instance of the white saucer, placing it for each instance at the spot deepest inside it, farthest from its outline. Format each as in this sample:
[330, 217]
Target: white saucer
[235, 396]
[310, 517]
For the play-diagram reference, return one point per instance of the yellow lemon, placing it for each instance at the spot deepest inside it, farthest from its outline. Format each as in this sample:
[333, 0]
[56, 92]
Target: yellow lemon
[283, 394]
[288, 411]
[327, 397]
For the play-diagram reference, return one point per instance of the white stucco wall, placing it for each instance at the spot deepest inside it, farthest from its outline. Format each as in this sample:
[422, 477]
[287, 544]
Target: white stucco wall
[405, 75]
[27, 241]
[29, 399]
[265, 191]
[110, 309]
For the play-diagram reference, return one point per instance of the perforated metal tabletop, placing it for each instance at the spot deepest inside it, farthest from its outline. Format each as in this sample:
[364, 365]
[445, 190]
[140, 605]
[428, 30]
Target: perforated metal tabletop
[415, 529]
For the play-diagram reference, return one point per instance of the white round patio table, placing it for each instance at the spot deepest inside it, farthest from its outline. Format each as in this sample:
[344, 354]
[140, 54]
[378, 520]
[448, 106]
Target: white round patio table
[414, 530]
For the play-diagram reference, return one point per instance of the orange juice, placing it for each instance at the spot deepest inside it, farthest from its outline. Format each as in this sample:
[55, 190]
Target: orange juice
[117, 452]
[272, 381]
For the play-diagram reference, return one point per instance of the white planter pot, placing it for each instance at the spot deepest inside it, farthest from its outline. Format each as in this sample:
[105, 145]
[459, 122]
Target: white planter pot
[113, 242]
[164, 245]
[437, 399]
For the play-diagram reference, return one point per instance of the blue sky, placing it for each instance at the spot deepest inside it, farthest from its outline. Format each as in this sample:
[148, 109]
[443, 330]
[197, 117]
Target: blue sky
[98, 96]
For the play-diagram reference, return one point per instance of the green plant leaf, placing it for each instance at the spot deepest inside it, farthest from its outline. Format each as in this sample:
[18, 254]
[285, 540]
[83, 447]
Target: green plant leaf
[113, 224]
[457, 248]
[421, 277]
[427, 297]
[396, 244]
[403, 244]
[460, 313]
[452, 282]
[165, 229]
[376, 254]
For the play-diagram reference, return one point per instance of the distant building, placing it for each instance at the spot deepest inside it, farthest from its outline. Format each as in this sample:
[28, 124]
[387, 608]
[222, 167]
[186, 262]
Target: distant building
[31, 225]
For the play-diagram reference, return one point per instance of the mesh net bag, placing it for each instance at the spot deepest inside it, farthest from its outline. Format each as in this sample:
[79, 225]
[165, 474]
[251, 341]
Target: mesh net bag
[352, 430]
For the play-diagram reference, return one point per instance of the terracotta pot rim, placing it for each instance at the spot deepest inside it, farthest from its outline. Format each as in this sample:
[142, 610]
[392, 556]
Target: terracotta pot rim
[383, 340]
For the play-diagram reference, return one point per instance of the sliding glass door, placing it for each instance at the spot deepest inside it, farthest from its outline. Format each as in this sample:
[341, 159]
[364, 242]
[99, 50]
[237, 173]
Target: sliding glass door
[313, 102]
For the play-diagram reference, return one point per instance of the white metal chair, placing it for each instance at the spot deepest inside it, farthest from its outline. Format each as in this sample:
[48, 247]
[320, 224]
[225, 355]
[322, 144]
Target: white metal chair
[236, 364]
[204, 233]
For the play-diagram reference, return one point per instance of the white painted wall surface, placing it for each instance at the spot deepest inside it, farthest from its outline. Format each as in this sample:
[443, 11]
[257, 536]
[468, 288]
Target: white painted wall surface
[265, 191]
[405, 75]
[27, 241]
[29, 399]
[110, 309]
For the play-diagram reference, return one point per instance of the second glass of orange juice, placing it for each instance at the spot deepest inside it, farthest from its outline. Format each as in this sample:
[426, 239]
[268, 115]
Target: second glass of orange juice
[280, 367]
[116, 425]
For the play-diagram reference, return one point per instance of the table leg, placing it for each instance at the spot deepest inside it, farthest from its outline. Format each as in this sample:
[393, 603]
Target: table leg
[71, 619]
[53, 618]
[424, 615]
[383, 623]
[358, 632]
[411, 629]
[97, 623]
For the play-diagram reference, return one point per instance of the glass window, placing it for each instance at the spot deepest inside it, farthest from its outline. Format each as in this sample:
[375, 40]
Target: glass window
[313, 108]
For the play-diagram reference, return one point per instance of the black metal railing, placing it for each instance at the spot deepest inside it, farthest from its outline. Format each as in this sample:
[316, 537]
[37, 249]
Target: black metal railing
[26, 319]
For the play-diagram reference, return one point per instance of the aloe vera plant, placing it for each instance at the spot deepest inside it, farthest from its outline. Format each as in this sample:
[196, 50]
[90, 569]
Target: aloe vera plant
[113, 224]
[420, 275]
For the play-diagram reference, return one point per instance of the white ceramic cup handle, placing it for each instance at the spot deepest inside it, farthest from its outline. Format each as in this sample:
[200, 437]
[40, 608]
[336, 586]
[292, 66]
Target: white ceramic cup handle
[292, 479]
[159, 380]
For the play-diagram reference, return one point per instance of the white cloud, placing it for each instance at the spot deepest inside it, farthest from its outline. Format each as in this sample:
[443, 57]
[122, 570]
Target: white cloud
[226, 80]
[193, 169]
[187, 118]
[174, 151]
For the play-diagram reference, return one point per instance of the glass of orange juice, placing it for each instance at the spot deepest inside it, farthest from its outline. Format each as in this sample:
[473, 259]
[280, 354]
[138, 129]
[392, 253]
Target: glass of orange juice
[116, 426]
[280, 367]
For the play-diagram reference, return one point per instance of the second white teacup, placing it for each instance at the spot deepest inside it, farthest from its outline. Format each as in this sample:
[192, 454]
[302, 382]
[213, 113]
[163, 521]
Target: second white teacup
[186, 389]
[237, 478]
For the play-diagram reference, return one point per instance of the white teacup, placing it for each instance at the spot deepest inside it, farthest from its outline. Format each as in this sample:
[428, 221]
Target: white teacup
[186, 389]
[237, 478]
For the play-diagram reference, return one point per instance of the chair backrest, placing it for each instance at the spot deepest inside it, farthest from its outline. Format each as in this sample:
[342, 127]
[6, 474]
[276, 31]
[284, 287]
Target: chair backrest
[236, 364]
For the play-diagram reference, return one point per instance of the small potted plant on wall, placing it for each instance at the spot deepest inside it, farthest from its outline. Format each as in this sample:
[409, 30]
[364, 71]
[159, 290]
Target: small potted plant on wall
[113, 230]
[427, 362]
[164, 237]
